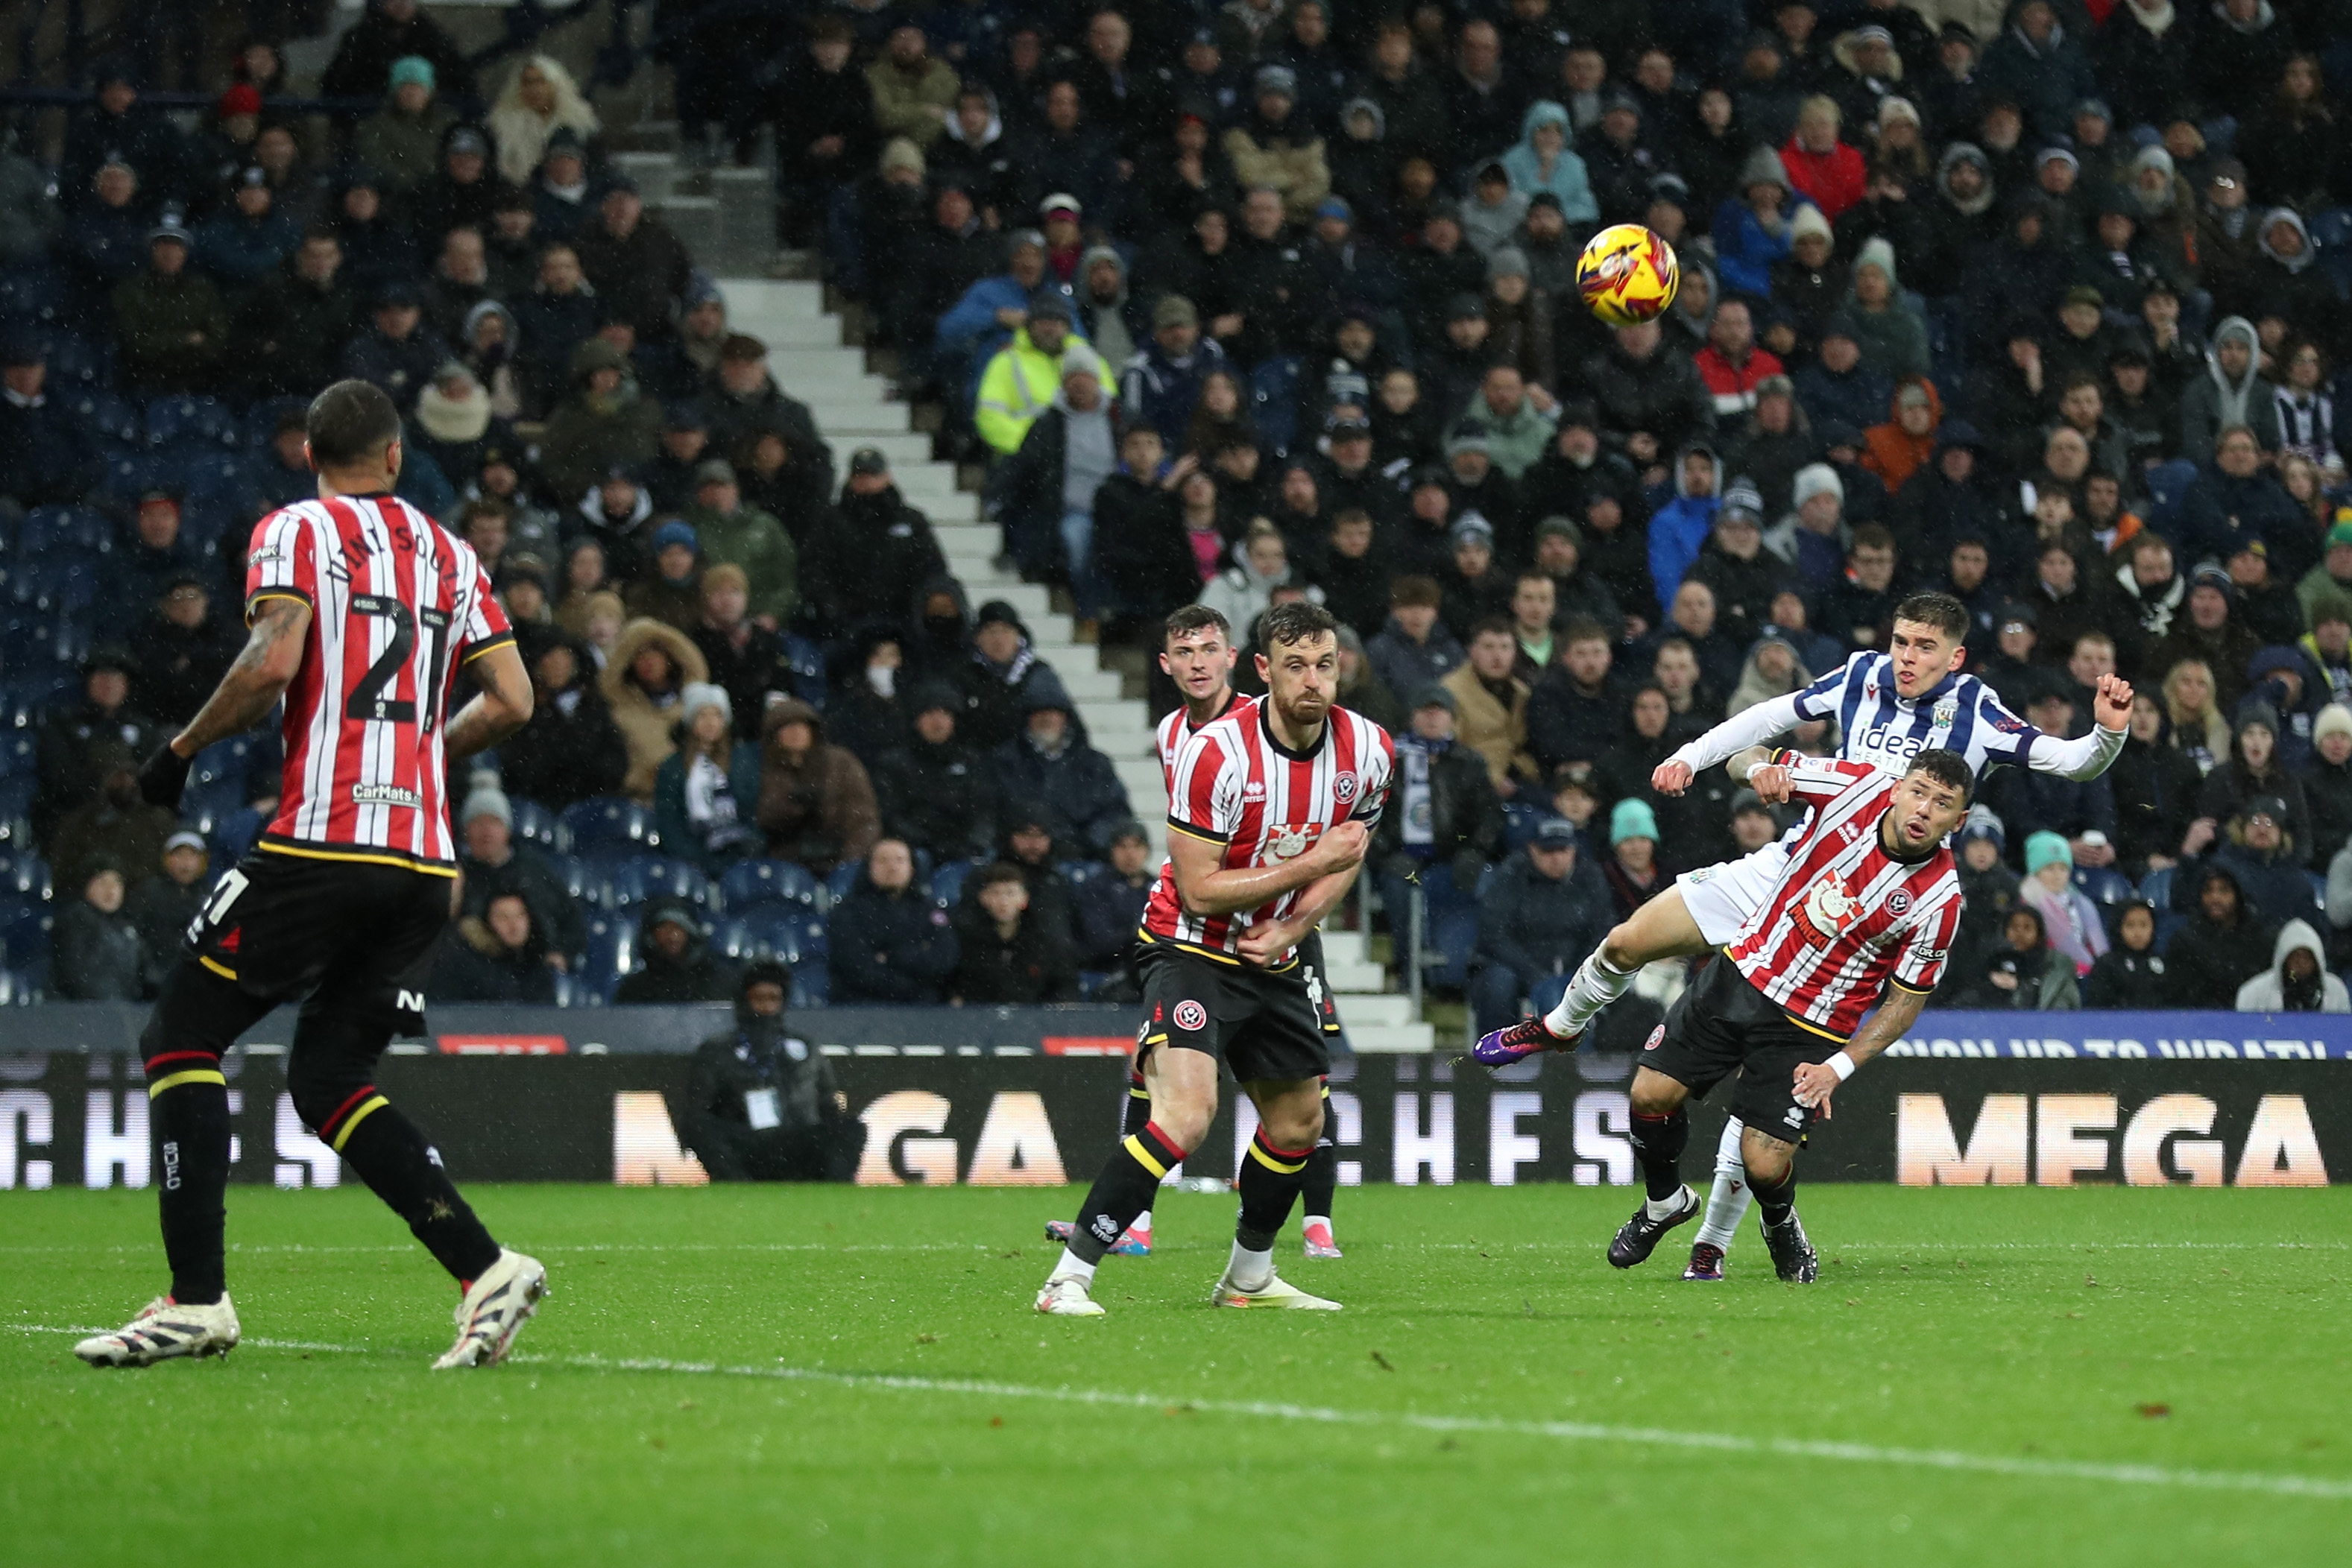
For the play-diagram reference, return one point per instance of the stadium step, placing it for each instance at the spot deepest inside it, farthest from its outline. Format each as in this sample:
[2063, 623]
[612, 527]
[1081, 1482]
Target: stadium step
[853, 407]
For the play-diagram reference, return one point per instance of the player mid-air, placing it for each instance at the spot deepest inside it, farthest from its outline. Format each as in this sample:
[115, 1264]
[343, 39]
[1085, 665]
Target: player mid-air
[1198, 653]
[1888, 708]
[364, 611]
[1862, 914]
[1269, 814]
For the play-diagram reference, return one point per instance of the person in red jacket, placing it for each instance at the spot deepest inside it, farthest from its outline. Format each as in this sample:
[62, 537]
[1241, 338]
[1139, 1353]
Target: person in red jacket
[1731, 365]
[1821, 166]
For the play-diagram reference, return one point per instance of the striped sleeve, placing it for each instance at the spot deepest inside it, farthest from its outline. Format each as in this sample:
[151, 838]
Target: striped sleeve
[1921, 966]
[282, 562]
[1378, 768]
[1818, 781]
[1204, 798]
[485, 625]
[1827, 694]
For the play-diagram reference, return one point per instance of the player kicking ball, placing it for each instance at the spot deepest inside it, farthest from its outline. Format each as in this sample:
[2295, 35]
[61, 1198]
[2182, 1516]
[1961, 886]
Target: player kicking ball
[1889, 707]
[1268, 817]
[362, 611]
[1861, 916]
[1197, 652]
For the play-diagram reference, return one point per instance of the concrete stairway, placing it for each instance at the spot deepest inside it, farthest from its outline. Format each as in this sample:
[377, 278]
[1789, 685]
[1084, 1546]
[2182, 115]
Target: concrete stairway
[812, 362]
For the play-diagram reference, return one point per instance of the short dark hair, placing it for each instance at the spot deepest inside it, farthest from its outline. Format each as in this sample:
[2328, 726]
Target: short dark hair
[1193, 618]
[1873, 535]
[1287, 624]
[1492, 625]
[1412, 591]
[1941, 611]
[1002, 871]
[1351, 515]
[1945, 767]
[349, 423]
[1583, 629]
[1532, 574]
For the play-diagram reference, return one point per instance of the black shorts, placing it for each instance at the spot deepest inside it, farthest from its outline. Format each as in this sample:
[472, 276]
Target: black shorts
[1723, 1024]
[1264, 1024]
[282, 926]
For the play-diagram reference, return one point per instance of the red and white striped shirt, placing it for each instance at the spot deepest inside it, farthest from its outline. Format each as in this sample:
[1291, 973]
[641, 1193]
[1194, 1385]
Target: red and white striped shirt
[1177, 727]
[396, 605]
[1846, 918]
[1237, 787]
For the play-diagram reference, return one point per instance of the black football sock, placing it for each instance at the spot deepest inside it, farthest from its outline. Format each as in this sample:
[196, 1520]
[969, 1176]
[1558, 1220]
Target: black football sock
[1138, 1113]
[187, 1116]
[392, 1156]
[1124, 1189]
[1269, 1182]
[1658, 1144]
[1774, 1200]
[1321, 1181]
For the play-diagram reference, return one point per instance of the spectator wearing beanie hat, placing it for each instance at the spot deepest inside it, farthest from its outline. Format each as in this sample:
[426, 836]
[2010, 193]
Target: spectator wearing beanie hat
[704, 792]
[2070, 921]
[1632, 871]
[494, 867]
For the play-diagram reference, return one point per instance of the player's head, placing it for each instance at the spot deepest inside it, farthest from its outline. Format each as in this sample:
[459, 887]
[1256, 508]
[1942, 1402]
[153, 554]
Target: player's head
[1926, 644]
[352, 437]
[1196, 649]
[1931, 800]
[1298, 660]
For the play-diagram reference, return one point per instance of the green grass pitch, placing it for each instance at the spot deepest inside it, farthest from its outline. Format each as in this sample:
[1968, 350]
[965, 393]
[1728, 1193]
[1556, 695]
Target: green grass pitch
[841, 1375]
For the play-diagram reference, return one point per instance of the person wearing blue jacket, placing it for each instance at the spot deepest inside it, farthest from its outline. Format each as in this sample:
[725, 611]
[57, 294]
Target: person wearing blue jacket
[246, 244]
[1752, 229]
[1543, 160]
[990, 311]
[1678, 531]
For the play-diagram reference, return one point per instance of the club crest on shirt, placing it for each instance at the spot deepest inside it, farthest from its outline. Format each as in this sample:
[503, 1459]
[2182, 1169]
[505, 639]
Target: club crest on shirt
[1829, 908]
[1947, 712]
[1899, 901]
[1657, 1037]
[1343, 787]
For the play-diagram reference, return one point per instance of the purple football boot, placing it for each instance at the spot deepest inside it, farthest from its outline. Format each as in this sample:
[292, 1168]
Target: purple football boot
[1502, 1047]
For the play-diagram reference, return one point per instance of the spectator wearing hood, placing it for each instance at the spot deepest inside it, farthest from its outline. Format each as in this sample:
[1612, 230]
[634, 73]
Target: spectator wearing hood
[95, 954]
[643, 684]
[2023, 970]
[2219, 948]
[1838, 387]
[2129, 975]
[2298, 980]
[2253, 771]
[762, 1105]
[1275, 148]
[1958, 221]
[677, 969]
[1050, 766]
[572, 749]
[890, 945]
[1044, 492]
[1752, 229]
[935, 791]
[815, 802]
[2242, 51]
[995, 678]
[2231, 391]
[2283, 280]
[603, 421]
[1543, 162]
[1679, 529]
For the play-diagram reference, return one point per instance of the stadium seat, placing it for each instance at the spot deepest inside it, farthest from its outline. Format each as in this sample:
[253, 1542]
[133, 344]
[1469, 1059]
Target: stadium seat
[750, 884]
[1274, 402]
[611, 823]
[113, 419]
[575, 991]
[16, 792]
[185, 421]
[611, 952]
[232, 836]
[641, 879]
[17, 990]
[2103, 886]
[262, 421]
[19, 752]
[25, 876]
[579, 878]
[785, 934]
[541, 829]
[845, 877]
[2156, 888]
[25, 927]
[947, 882]
[1521, 821]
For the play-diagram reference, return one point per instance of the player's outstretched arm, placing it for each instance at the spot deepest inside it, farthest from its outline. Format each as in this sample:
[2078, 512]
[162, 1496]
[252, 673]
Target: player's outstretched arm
[1817, 1080]
[1748, 727]
[1208, 888]
[259, 677]
[502, 707]
[2086, 757]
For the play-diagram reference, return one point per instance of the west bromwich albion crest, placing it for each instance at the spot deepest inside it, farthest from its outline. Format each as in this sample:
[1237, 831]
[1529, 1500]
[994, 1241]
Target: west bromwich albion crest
[1947, 712]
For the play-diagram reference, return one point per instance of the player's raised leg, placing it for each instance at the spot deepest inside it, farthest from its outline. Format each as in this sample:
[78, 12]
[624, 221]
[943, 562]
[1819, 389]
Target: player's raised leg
[1662, 928]
[1290, 1121]
[1725, 1203]
[1660, 1129]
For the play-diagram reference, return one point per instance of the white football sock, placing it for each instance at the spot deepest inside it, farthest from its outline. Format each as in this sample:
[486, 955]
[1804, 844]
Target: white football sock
[1249, 1270]
[1142, 1226]
[1667, 1208]
[1597, 983]
[1072, 1266]
[1727, 1205]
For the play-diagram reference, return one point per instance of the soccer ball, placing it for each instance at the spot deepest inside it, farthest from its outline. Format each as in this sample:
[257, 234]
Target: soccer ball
[1627, 274]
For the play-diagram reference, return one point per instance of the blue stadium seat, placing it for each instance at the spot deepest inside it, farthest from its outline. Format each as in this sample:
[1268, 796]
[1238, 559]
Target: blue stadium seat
[535, 825]
[1078, 874]
[1274, 401]
[750, 884]
[262, 421]
[113, 419]
[187, 421]
[49, 528]
[40, 295]
[641, 879]
[1521, 821]
[19, 751]
[2103, 885]
[575, 991]
[789, 936]
[16, 792]
[845, 877]
[610, 823]
[25, 927]
[2156, 888]
[611, 952]
[25, 876]
[579, 878]
[947, 882]
[17, 989]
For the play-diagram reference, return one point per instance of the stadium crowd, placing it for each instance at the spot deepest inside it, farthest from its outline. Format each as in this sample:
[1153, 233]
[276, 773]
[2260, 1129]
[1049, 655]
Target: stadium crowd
[2041, 304]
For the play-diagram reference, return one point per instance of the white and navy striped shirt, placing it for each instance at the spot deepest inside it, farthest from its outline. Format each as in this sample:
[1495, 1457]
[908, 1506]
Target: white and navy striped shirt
[1876, 726]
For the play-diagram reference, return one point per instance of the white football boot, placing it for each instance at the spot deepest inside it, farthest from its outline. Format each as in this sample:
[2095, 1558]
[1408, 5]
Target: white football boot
[1068, 1296]
[162, 1331]
[1276, 1292]
[494, 1310]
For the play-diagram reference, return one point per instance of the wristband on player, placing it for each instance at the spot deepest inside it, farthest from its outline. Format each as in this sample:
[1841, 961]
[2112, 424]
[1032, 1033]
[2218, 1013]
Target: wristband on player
[1842, 1064]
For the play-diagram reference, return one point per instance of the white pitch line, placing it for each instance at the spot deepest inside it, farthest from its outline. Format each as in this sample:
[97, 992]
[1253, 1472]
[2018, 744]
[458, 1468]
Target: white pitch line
[1566, 1431]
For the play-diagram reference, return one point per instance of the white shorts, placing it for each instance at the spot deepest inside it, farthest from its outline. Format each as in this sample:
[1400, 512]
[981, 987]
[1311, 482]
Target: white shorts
[1721, 898]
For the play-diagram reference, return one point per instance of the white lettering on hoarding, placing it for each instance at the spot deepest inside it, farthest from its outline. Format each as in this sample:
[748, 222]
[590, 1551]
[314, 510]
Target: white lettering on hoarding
[2197, 1160]
[30, 1111]
[2060, 1152]
[2280, 1148]
[888, 1120]
[1928, 1153]
[113, 1141]
[646, 1150]
[1016, 1146]
[1604, 1152]
[1415, 1147]
[1507, 1148]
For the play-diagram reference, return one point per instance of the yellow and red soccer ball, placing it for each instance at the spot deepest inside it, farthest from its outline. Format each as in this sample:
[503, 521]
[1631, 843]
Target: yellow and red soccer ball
[1627, 274]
